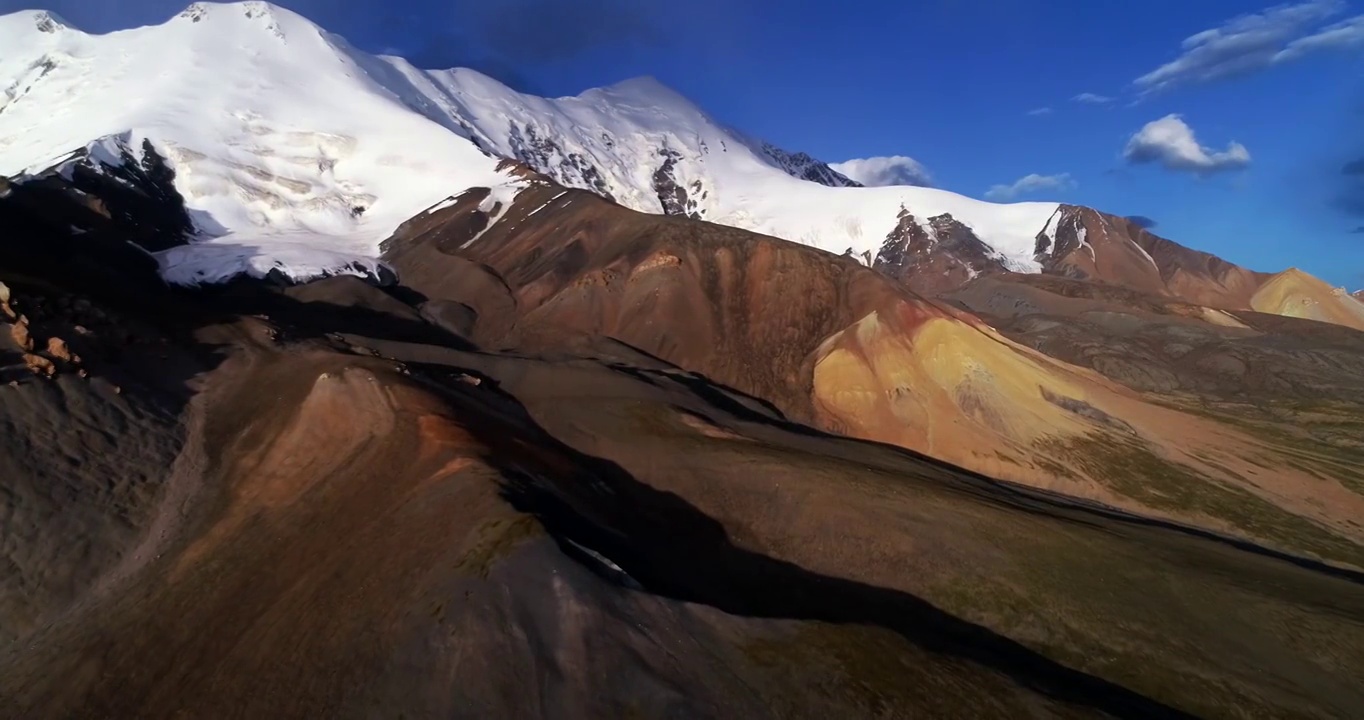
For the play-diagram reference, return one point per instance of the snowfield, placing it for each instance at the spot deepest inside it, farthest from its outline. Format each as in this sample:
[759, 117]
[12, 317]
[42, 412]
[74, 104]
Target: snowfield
[297, 152]
[283, 146]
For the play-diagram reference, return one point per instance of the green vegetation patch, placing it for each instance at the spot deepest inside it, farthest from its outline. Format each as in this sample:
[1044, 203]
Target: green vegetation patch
[1131, 469]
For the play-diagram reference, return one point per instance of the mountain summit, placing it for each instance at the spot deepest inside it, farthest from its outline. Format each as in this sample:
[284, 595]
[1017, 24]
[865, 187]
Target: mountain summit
[290, 144]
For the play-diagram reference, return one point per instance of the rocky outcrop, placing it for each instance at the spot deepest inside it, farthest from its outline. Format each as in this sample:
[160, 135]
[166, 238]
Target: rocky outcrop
[935, 255]
[58, 349]
[130, 197]
[673, 197]
[86, 218]
[38, 357]
[801, 165]
[40, 365]
[544, 155]
[19, 332]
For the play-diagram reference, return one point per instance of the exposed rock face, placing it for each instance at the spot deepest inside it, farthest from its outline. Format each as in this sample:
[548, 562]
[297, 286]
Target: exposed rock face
[545, 155]
[58, 349]
[802, 166]
[98, 220]
[133, 200]
[935, 256]
[39, 365]
[20, 333]
[672, 196]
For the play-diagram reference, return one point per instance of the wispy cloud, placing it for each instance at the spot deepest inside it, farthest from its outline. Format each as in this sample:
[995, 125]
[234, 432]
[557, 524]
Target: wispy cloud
[1349, 33]
[1359, 230]
[1254, 42]
[1092, 99]
[1143, 222]
[1039, 112]
[1170, 142]
[883, 171]
[1029, 184]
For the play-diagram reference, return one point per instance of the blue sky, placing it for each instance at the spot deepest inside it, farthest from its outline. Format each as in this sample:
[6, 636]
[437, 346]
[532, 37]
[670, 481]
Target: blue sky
[1273, 94]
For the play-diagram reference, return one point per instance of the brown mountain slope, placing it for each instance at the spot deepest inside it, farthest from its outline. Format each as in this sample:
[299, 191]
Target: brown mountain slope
[833, 343]
[937, 256]
[361, 515]
[1084, 243]
[1087, 244]
[1294, 293]
[1293, 387]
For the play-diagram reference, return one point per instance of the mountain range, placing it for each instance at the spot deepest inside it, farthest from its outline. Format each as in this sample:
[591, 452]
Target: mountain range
[338, 386]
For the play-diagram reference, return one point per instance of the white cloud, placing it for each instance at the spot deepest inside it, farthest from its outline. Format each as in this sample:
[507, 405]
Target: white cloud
[1253, 42]
[1038, 112]
[1028, 184]
[1349, 33]
[1171, 142]
[882, 171]
[1092, 99]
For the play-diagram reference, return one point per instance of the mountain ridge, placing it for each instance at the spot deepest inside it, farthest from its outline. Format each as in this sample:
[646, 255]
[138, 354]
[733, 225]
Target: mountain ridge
[288, 183]
[467, 105]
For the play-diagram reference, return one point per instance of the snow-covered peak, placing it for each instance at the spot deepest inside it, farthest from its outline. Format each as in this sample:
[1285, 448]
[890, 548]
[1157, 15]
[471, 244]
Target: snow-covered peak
[16, 24]
[649, 148]
[254, 20]
[263, 13]
[284, 137]
[644, 90]
[280, 138]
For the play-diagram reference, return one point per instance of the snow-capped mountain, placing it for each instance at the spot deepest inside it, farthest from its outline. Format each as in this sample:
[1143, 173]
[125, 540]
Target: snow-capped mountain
[285, 148]
[295, 150]
[650, 149]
